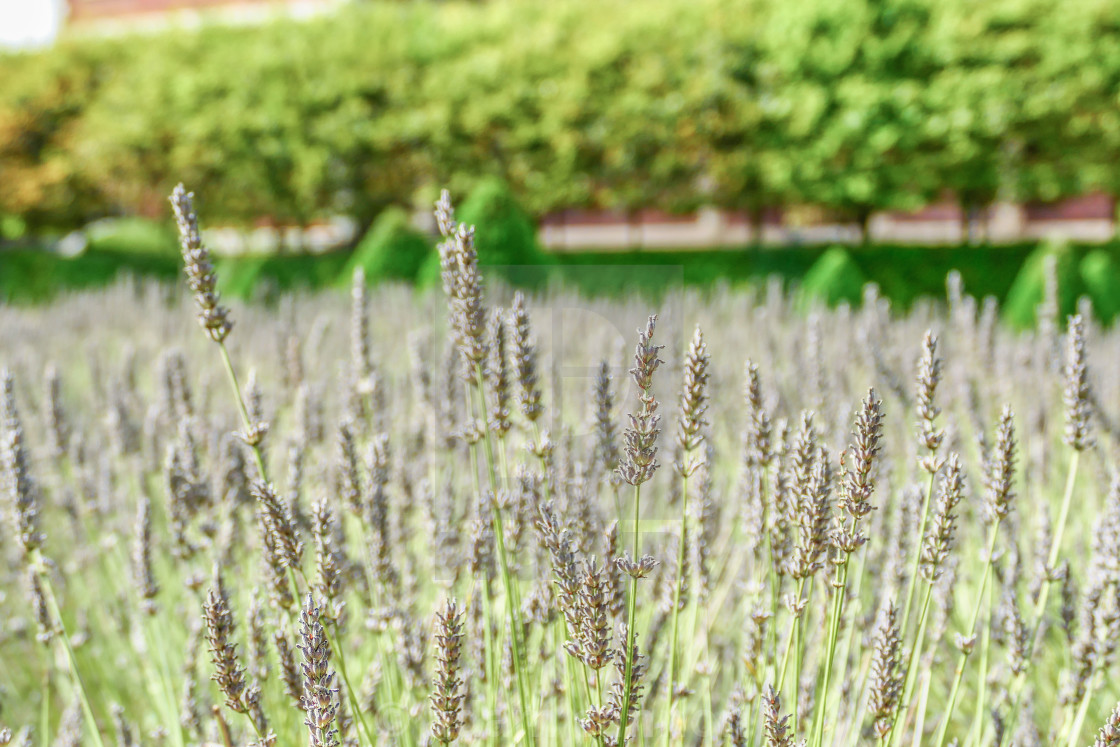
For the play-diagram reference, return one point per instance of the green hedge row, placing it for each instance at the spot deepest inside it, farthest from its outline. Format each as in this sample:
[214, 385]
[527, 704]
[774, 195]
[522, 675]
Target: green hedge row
[852, 105]
[904, 274]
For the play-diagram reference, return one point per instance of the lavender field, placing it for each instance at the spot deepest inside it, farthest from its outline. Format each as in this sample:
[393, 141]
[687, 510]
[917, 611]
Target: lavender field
[480, 517]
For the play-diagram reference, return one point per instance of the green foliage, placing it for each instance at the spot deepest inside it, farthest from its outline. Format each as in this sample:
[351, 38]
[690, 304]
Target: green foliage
[1100, 274]
[904, 274]
[851, 105]
[833, 279]
[505, 235]
[238, 276]
[391, 250]
[12, 227]
[35, 275]
[263, 277]
[133, 236]
[1029, 289]
[428, 276]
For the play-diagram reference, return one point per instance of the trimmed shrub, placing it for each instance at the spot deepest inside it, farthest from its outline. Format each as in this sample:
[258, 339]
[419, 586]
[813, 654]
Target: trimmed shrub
[1020, 308]
[504, 233]
[833, 279]
[238, 276]
[1100, 273]
[132, 236]
[391, 250]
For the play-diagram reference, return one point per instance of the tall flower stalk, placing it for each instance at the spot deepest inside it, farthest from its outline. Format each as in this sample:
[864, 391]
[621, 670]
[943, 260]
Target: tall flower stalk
[462, 284]
[212, 315]
[690, 437]
[847, 536]
[24, 499]
[998, 500]
[1077, 397]
[930, 438]
[637, 467]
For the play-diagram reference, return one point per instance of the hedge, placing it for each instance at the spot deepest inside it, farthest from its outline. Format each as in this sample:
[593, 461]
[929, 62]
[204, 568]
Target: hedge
[903, 274]
[850, 105]
[391, 250]
[833, 279]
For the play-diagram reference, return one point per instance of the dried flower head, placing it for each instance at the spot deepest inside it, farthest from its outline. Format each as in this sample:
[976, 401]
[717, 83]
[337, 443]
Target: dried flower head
[213, 317]
[939, 536]
[929, 375]
[859, 483]
[448, 691]
[361, 365]
[142, 557]
[320, 699]
[758, 435]
[58, 425]
[289, 670]
[1076, 392]
[1000, 470]
[22, 492]
[497, 376]
[277, 519]
[463, 285]
[639, 568]
[886, 672]
[640, 460]
[1109, 734]
[594, 632]
[735, 732]
[694, 403]
[777, 726]
[812, 498]
[606, 447]
[328, 561]
[47, 626]
[228, 672]
[525, 361]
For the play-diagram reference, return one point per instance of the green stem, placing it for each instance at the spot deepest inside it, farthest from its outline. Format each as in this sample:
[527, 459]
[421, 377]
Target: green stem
[833, 632]
[45, 704]
[916, 563]
[1063, 514]
[1019, 682]
[962, 659]
[923, 700]
[631, 614]
[676, 606]
[156, 641]
[1082, 710]
[491, 670]
[336, 649]
[598, 699]
[856, 586]
[245, 419]
[573, 694]
[911, 665]
[977, 730]
[793, 633]
[39, 566]
[508, 582]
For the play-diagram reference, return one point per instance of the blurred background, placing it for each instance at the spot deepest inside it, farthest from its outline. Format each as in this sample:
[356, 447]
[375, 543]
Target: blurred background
[828, 143]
